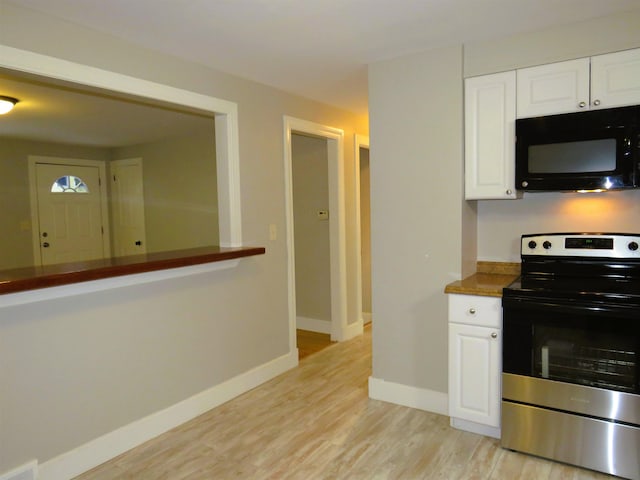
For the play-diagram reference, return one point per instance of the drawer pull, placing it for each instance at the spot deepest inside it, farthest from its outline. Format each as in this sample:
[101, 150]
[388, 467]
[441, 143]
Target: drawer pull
[494, 335]
[472, 311]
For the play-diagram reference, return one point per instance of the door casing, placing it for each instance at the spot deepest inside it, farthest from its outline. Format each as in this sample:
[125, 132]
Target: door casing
[337, 237]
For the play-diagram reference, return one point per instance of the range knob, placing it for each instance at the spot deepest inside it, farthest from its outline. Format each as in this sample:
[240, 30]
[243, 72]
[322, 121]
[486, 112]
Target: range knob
[532, 244]
[633, 246]
[546, 245]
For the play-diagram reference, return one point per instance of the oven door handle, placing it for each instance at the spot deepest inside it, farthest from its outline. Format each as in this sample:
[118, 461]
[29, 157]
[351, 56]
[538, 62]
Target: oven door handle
[619, 310]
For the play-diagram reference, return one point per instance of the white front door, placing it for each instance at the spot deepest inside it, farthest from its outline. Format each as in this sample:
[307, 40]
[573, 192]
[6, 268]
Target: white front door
[129, 237]
[69, 212]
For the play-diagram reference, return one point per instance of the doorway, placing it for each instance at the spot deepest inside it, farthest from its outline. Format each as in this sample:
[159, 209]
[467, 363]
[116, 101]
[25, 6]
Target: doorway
[310, 183]
[334, 140]
[68, 210]
[363, 227]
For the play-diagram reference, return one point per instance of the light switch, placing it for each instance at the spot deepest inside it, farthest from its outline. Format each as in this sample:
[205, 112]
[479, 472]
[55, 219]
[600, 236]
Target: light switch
[273, 232]
[323, 214]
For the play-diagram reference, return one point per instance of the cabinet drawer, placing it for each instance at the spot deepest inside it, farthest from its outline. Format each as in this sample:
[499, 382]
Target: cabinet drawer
[475, 310]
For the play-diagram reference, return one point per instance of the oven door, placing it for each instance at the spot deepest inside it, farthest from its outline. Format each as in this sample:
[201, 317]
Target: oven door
[570, 382]
[571, 356]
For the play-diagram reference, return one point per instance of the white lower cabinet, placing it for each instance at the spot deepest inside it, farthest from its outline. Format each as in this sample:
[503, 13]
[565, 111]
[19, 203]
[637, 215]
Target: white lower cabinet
[475, 350]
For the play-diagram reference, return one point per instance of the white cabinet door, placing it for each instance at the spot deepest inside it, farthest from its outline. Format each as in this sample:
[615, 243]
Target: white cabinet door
[615, 79]
[602, 81]
[490, 113]
[474, 373]
[554, 88]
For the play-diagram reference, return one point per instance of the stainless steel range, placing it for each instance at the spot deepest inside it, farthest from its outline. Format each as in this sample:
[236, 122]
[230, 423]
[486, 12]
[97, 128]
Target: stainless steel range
[571, 351]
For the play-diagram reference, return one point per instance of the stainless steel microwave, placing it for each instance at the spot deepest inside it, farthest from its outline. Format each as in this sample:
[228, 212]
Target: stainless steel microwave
[585, 151]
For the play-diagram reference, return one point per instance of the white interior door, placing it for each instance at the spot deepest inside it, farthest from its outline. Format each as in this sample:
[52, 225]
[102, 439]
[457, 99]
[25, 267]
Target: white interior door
[69, 213]
[129, 235]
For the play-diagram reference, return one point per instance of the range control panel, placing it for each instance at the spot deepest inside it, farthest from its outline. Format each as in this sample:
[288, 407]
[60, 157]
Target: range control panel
[610, 245]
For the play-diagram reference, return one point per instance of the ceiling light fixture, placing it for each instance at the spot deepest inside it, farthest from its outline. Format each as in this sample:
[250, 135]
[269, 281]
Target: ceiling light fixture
[7, 104]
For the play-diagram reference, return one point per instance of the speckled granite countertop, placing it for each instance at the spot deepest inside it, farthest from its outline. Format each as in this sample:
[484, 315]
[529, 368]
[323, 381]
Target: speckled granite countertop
[489, 279]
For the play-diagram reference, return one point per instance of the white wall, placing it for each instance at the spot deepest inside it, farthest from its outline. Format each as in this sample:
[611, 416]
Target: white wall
[75, 368]
[415, 109]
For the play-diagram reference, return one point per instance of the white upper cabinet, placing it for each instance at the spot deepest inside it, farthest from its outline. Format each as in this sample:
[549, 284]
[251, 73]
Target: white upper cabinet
[555, 88]
[615, 79]
[490, 114]
[602, 81]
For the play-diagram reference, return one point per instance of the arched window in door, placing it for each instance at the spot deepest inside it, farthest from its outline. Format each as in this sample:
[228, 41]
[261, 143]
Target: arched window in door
[69, 183]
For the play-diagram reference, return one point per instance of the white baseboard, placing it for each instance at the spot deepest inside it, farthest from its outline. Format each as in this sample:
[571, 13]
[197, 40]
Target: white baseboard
[420, 398]
[473, 427]
[106, 447]
[366, 317]
[313, 324]
[28, 471]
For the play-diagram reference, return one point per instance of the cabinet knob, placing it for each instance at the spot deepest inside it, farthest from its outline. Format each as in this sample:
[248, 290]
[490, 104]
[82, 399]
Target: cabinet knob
[509, 191]
[596, 102]
[472, 311]
[494, 335]
[582, 104]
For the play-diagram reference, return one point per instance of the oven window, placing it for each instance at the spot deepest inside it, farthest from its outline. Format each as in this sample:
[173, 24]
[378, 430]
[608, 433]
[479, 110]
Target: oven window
[593, 358]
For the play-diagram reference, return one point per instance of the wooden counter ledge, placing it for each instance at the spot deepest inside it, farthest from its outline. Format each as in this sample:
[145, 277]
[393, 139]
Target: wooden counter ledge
[22, 279]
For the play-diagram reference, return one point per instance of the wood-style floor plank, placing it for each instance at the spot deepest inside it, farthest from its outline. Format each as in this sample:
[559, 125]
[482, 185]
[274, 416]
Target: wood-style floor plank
[317, 422]
[311, 342]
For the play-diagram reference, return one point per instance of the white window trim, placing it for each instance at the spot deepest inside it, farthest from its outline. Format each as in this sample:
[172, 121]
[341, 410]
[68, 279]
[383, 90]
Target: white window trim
[226, 120]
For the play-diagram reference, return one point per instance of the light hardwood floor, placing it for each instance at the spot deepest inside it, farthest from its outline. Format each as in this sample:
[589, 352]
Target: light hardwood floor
[311, 342]
[317, 422]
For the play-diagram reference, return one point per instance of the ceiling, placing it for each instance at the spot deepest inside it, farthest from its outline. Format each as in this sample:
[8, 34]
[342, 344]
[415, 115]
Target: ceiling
[50, 111]
[315, 48]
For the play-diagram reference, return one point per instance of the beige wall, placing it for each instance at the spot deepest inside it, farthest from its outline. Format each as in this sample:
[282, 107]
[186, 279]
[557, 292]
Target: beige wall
[180, 193]
[582, 39]
[16, 248]
[365, 227]
[310, 176]
[83, 366]
[416, 212]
